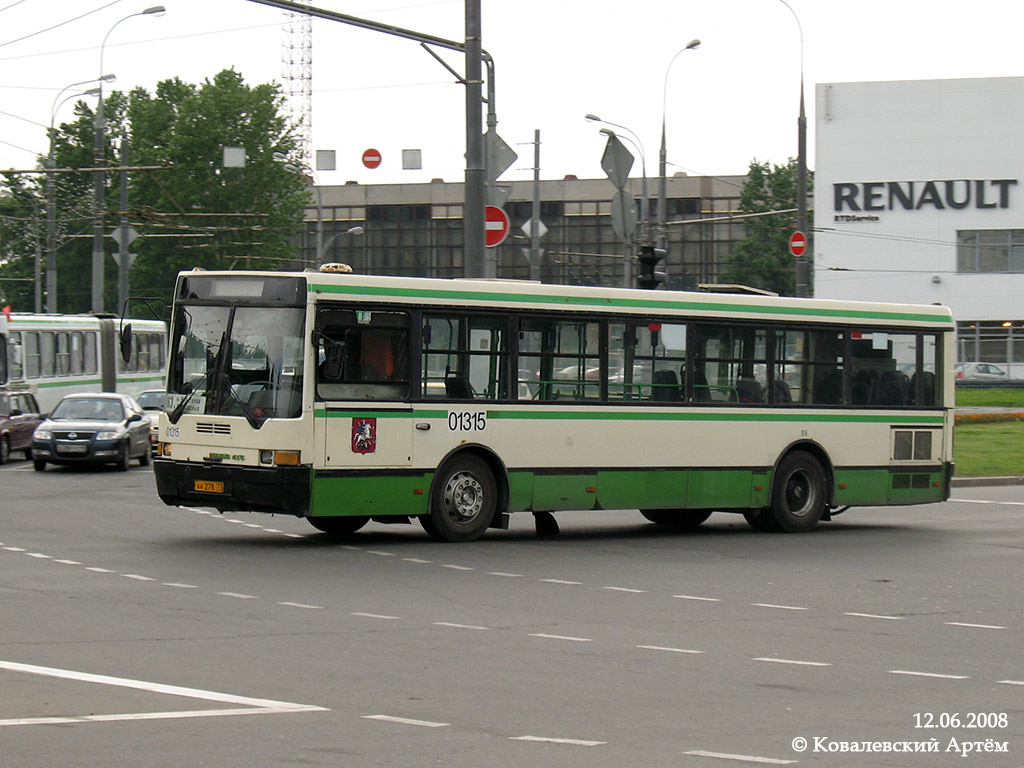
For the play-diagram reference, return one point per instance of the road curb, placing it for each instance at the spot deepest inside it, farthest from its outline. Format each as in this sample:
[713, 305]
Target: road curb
[974, 482]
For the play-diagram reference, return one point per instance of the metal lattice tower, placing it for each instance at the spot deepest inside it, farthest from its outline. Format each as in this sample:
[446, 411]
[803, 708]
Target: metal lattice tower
[297, 60]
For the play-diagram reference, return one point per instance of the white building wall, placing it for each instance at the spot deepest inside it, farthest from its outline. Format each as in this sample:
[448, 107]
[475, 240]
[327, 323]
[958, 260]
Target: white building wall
[918, 131]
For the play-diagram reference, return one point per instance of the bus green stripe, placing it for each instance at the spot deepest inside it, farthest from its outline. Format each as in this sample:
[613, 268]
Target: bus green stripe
[436, 294]
[638, 414]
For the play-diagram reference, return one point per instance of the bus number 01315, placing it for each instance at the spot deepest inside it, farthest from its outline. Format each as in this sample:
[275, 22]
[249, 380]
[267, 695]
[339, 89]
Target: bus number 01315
[467, 421]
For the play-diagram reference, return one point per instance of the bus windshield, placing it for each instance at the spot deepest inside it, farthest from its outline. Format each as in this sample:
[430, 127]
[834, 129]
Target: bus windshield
[237, 361]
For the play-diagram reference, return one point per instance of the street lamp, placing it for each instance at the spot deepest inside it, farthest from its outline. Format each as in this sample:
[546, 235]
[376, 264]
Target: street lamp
[99, 154]
[322, 248]
[51, 188]
[645, 225]
[663, 154]
[802, 265]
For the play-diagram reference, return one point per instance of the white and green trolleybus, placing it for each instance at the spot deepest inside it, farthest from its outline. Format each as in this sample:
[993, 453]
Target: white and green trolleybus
[343, 398]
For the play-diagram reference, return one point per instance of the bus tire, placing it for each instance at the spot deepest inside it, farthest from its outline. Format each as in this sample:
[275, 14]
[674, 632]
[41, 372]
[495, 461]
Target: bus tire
[463, 500]
[680, 519]
[798, 494]
[342, 525]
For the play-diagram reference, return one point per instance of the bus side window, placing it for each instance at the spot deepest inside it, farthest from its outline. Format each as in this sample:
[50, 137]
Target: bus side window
[362, 355]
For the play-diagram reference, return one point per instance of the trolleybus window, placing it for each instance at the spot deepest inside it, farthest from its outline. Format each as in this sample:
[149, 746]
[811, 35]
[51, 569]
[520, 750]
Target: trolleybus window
[465, 356]
[362, 354]
[560, 359]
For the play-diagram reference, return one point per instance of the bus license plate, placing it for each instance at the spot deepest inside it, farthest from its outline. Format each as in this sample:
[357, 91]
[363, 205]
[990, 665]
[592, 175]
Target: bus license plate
[208, 486]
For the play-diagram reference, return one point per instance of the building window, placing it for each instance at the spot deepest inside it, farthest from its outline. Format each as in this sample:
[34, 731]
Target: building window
[990, 250]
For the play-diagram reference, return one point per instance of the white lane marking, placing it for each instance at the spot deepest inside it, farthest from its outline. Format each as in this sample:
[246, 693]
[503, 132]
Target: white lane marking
[239, 595]
[14, 549]
[794, 661]
[562, 637]
[663, 648]
[702, 599]
[627, 589]
[179, 585]
[561, 581]
[416, 560]
[552, 740]
[302, 605]
[233, 521]
[68, 562]
[375, 616]
[39, 555]
[458, 567]
[1010, 682]
[927, 674]
[876, 616]
[982, 501]
[457, 626]
[379, 553]
[137, 577]
[295, 535]
[741, 758]
[273, 530]
[94, 569]
[253, 706]
[973, 626]
[780, 607]
[406, 721]
[506, 575]
[253, 525]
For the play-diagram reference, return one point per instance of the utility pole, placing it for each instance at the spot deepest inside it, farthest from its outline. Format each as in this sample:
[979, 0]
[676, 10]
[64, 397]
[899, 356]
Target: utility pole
[476, 172]
[535, 211]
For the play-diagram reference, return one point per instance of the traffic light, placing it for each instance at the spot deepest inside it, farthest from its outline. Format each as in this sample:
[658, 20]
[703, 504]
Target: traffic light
[650, 276]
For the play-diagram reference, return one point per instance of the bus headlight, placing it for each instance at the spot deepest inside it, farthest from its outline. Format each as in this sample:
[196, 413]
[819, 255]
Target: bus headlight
[280, 458]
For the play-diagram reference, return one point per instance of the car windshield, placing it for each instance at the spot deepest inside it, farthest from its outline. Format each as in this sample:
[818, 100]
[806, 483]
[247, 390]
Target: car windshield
[87, 409]
[245, 361]
[152, 400]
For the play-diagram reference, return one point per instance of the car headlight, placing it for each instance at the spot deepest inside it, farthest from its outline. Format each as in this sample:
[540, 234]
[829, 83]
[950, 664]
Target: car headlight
[109, 435]
[42, 434]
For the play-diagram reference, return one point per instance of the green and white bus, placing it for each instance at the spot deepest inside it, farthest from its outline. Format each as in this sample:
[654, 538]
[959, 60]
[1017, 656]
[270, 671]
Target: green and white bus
[343, 398]
[55, 355]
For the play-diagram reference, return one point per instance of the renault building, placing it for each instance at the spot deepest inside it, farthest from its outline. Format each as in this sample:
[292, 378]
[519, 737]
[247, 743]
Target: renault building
[919, 197]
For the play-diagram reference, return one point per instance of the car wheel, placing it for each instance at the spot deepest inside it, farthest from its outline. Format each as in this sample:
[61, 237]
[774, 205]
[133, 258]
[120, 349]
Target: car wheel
[124, 462]
[38, 465]
[144, 458]
[5, 449]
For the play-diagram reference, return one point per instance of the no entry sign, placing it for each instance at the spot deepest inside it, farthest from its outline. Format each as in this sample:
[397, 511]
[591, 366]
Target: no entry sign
[798, 244]
[496, 226]
[371, 158]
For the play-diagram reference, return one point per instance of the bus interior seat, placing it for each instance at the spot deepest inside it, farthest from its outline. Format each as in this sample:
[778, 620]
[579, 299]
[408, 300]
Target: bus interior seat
[782, 392]
[701, 390]
[749, 390]
[456, 387]
[665, 386]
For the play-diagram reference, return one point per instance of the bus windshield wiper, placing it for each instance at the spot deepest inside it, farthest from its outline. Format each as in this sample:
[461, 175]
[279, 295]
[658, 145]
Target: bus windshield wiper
[174, 415]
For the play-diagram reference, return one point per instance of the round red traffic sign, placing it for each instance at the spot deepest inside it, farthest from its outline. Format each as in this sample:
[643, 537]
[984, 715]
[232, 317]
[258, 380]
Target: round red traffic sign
[496, 226]
[798, 243]
[371, 158]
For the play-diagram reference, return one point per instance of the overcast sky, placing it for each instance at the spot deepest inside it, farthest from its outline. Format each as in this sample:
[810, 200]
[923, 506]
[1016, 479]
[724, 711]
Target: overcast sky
[732, 100]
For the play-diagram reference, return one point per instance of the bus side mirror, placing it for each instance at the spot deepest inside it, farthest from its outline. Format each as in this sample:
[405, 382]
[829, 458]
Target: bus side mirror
[334, 360]
[126, 343]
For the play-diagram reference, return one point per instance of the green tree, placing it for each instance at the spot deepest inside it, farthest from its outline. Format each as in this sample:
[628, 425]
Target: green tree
[192, 212]
[763, 259]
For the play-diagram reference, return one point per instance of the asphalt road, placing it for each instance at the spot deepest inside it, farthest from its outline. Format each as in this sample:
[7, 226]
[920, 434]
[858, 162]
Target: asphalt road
[137, 634]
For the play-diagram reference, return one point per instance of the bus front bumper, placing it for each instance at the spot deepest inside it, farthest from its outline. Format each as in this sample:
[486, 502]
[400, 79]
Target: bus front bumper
[230, 488]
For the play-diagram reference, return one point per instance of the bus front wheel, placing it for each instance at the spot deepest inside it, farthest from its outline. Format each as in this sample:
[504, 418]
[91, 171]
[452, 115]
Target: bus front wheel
[463, 501]
[338, 526]
[681, 519]
[798, 494]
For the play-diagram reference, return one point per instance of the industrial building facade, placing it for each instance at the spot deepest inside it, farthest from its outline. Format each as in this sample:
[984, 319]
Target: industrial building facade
[416, 229]
[919, 198]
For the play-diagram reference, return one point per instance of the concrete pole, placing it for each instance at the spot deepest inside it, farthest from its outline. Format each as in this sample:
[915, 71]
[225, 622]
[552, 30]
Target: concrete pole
[535, 211]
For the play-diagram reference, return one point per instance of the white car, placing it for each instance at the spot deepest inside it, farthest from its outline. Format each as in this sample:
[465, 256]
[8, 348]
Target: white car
[152, 403]
[980, 372]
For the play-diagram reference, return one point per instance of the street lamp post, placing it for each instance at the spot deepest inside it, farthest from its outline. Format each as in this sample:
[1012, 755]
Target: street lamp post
[802, 264]
[663, 153]
[99, 154]
[51, 188]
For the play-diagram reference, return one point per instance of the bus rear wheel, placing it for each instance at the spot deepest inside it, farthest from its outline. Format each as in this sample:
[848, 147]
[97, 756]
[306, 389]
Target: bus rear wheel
[463, 501]
[681, 519]
[338, 526]
[798, 494]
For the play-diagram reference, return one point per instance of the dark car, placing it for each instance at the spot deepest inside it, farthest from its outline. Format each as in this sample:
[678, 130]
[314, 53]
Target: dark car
[19, 417]
[91, 429]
